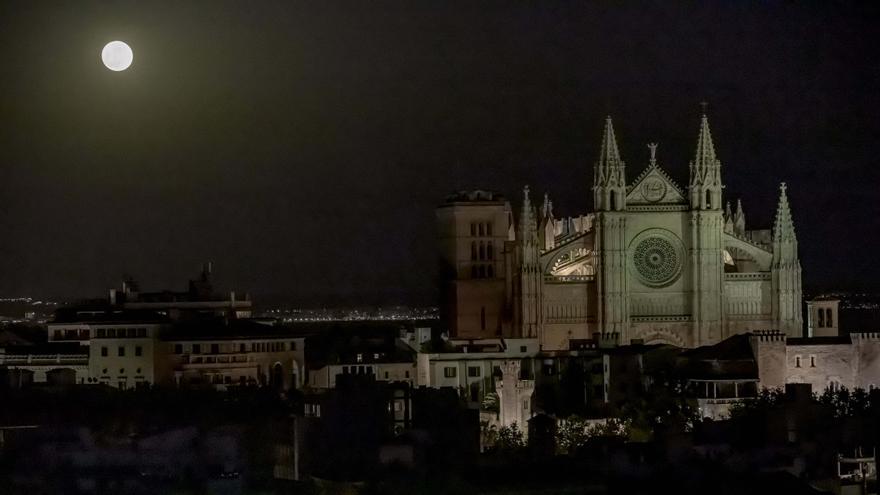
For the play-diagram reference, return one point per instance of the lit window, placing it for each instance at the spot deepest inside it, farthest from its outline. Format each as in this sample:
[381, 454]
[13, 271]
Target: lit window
[360, 358]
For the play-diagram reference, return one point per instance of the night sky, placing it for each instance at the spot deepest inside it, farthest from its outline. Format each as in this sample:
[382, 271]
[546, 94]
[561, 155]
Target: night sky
[302, 146]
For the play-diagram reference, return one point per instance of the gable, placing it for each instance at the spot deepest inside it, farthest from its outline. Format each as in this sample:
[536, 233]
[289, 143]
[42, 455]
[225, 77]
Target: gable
[654, 186]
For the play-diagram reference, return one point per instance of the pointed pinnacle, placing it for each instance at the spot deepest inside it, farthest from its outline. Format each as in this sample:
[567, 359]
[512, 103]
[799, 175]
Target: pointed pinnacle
[609, 154]
[705, 147]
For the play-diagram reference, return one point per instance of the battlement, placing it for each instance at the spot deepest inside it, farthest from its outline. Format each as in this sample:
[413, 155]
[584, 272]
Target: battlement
[768, 336]
[606, 339]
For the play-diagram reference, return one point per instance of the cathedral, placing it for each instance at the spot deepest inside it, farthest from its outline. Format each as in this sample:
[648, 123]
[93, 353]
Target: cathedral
[654, 263]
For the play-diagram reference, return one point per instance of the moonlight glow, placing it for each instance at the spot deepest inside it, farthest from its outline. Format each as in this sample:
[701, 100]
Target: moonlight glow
[117, 56]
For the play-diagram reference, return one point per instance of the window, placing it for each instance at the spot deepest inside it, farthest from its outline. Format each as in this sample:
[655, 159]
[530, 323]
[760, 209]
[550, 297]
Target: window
[178, 348]
[797, 361]
[473, 250]
[406, 374]
[58, 335]
[242, 348]
[449, 372]
[489, 229]
[482, 271]
[345, 370]
[481, 230]
[829, 320]
[483, 317]
[473, 271]
[360, 358]
[131, 332]
[473, 371]
[490, 271]
[812, 361]
[821, 318]
[386, 375]
[101, 333]
[489, 250]
[121, 351]
[197, 348]
[525, 404]
[215, 348]
[103, 352]
[292, 345]
[523, 348]
[482, 255]
[375, 356]
[138, 350]
[141, 332]
[473, 230]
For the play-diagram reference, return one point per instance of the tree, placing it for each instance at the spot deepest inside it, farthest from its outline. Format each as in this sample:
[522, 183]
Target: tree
[510, 439]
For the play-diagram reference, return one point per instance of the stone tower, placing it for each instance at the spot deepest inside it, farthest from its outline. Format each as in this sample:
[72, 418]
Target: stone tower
[609, 199]
[786, 271]
[706, 246]
[530, 272]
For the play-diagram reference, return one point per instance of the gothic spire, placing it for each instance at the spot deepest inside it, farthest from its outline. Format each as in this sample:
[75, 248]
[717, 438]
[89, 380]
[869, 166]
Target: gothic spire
[609, 180]
[728, 219]
[609, 155]
[783, 226]
[705, 147]
[705, 183]
[727, 213]
[547, 207]
[739, 219]
[528, 226]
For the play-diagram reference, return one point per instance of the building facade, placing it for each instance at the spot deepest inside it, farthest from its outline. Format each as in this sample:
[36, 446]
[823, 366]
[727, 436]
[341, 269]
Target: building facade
[655, 262]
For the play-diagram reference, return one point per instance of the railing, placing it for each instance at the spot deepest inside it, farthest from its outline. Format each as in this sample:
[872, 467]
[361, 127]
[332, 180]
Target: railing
[569, 278]
[213, 359]
[747, 276]
[38, 359]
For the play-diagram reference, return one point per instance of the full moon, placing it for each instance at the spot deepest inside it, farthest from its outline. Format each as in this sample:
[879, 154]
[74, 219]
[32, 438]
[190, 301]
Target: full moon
[117, 56]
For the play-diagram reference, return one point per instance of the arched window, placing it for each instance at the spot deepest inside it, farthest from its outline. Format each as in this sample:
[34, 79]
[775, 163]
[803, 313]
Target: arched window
[473, 271]
[821, 318]
[489, 250]
[612, 200]
[473, 251]
[482, 251]
[708, 199]
[481, 230]
[489, 229]
[829, 320]
[490, 271]
[482, 271]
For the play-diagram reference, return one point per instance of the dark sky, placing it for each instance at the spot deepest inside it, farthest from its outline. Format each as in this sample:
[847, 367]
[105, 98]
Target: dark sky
[302, 146]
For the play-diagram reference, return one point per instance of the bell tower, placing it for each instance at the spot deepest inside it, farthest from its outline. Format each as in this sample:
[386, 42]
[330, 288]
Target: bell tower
[706, 244]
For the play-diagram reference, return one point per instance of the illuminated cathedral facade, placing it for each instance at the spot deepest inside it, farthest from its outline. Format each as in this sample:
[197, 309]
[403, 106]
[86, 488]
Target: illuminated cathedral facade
[654, 263]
